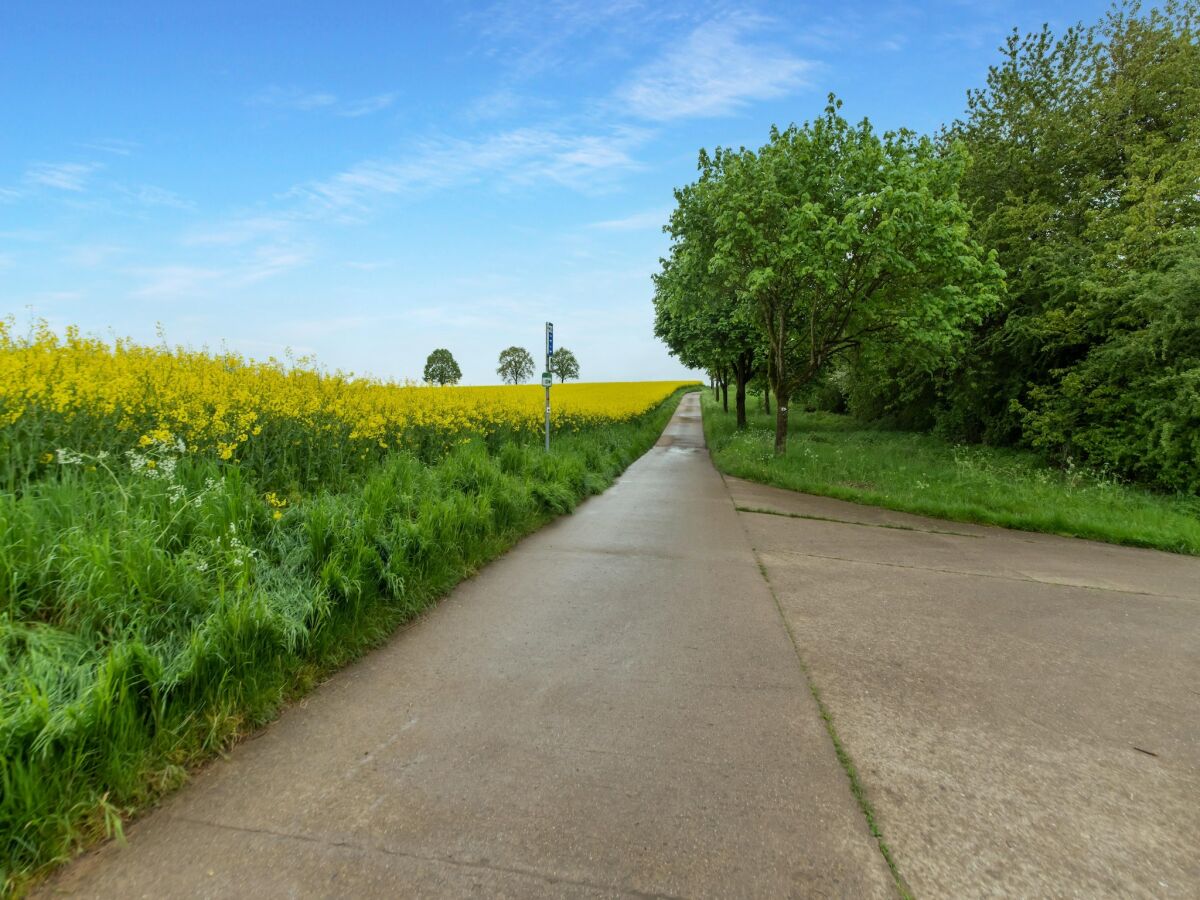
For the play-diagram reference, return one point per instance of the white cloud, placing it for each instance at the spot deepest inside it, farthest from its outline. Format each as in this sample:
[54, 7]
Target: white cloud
[63, 176]
[364, 107]
[173, 281]
[520, 156]
[241, 231]
[715, 71]
[187, 281]
[532, 37]
[115, 146]
[149, 195]
[269, 261]
[91, 255]
[292, 98]
[369, 265]
[499, 104]
[654, 218]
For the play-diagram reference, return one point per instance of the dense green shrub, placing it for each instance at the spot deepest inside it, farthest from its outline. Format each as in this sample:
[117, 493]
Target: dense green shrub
[1085, 178]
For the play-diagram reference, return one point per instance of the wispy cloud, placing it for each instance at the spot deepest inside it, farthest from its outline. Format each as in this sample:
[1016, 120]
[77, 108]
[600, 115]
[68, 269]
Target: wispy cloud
[174, 280]
[532, 37]
[91, 255]
[149, 195]
[115, 146]
[715, 71]
[369, 265]
[292, 98]
[520, 156]
[654, 218]
[269, 261]
[242, 230]
[182, 281]
[296, 99]
[62, 176]
[502, 103]
[367, 105]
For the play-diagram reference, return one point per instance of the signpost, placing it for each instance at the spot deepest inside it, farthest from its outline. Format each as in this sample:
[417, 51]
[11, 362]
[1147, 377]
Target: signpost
[546, 377]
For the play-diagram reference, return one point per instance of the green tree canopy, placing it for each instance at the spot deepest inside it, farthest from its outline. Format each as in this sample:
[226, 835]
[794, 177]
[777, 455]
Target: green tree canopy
[516, 365]
[441, 368]
[1084, 174]
[564, 365]
[831, 239]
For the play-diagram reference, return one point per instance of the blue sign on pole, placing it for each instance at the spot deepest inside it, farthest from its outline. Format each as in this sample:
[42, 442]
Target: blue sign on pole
[549, 338]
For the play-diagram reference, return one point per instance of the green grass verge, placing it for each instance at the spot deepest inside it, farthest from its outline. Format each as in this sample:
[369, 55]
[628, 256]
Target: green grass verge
[836, 456]
[148, 623]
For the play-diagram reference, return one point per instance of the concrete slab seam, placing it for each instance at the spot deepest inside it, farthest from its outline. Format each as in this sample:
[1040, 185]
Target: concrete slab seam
[857, 788]
[1022, 578]
[791, 515]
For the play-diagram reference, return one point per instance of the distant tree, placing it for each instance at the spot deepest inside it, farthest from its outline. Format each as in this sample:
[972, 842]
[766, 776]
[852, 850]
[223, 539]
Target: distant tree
[516, 365]
[441, 369]
[564, 364]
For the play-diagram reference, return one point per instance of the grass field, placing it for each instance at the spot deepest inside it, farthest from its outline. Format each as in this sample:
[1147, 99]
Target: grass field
[836, 456]
[188, 541]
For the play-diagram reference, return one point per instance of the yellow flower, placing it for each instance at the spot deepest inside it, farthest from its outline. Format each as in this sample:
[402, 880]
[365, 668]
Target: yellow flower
[47, 457]
[277, 515]
[213, 404]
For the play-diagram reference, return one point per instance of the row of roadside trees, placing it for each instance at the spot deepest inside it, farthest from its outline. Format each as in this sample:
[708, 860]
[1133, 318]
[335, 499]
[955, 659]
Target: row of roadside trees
[516, 366]
[1028, 276]
[830, 240]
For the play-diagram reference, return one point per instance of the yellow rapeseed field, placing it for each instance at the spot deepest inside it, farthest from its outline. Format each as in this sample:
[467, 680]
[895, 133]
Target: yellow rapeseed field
[90, 393]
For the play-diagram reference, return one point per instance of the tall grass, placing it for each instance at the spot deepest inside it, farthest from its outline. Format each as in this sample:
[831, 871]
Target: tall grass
[836, 456]
[150, 616]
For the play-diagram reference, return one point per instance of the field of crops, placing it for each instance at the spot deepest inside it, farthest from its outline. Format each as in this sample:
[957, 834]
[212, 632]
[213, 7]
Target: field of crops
[188, 539]
[286, 421]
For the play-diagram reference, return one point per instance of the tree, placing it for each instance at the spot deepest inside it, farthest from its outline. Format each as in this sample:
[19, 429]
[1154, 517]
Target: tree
[699, 318]
[441, 369]
[834, 239]
[564, 364]
[516, 365]
[1085, 161]
[711, 332]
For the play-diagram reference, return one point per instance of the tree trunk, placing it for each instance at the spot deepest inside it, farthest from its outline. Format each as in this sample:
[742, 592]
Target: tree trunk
[741, 398]
[767, 398]
[725, 393]
[781, 422]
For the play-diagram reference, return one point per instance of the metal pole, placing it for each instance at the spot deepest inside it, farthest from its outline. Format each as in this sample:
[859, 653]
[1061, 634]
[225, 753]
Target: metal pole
[547, 369]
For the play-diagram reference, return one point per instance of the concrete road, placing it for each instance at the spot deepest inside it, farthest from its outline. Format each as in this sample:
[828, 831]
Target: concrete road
[614, 708]
[1024, 710]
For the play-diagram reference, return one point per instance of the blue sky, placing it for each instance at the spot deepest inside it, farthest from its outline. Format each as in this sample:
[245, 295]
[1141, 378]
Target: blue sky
[368, 181]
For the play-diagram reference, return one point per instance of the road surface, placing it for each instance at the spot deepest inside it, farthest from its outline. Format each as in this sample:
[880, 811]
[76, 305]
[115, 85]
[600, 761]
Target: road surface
[614, 708]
